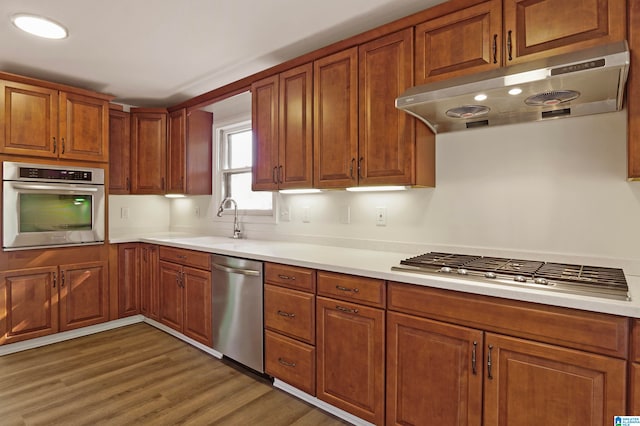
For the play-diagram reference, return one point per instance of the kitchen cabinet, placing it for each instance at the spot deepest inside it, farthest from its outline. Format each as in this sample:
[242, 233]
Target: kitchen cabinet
[335, 118]
[149, 285]
[289, 318]
[148, 150]
[634, 369]
[45, 122]
[500, 363]
[282, 124]
[185, 292]
[189, 152]
[35, 302]
[119, 152]
[351, 345]
[472, 40]
[633, 94]
[128, 279]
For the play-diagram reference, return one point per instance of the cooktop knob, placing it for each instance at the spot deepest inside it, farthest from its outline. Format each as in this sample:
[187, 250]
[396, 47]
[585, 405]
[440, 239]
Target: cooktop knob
[489, 275]
[445, 269]
[462, 271]
[541, 281]
[520, 279]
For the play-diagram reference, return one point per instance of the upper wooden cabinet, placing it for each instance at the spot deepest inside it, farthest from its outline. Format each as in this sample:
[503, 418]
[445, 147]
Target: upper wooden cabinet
[633, 94]
[471, 40]
[282, 129]
[119, 152]
[539, 28]
[189, 155]
[335, 129]
[148, 150]
[462, 42]
[45, 122]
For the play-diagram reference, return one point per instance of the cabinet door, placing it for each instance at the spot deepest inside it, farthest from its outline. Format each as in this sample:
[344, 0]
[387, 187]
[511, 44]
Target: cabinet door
[295, 137]
[199, 146]
[170, 280]
[537, 28]
[335, 116]
[128, 279]
[387, 139]
[350, 363]
[532, 384]
[149, 286]
[83, 295]
[176, 164]
[197, 305]
[28, 120]
[434, 372]
[28, 304]
[633, 94]
[119, 152]
[460, 43]
[264, 122]
[149, 147]
[83, 128]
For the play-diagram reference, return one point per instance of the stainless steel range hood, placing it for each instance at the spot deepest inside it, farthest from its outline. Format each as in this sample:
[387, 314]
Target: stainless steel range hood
[587, 82]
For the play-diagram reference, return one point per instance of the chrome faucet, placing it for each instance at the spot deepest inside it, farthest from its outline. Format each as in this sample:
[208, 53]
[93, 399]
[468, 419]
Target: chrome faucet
[236, 227]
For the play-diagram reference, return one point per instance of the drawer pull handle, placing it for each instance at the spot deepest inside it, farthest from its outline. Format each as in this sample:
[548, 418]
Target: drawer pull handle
[286, 314]
[286, 363]
[355, 290]
[181, 256]
[286, 277]
[348, 310]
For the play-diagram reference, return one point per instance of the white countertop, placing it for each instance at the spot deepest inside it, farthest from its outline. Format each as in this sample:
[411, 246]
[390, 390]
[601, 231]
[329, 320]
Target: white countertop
[377, 264]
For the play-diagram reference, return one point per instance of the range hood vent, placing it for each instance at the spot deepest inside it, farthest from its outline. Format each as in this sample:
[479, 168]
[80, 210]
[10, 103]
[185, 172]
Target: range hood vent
[590, 81]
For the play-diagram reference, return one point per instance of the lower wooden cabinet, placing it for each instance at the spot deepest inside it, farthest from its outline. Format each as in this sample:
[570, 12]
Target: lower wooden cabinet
[350, 357]
[128, 279]
[35, 302]
[291, 361]
[185, 294]
[149, 285]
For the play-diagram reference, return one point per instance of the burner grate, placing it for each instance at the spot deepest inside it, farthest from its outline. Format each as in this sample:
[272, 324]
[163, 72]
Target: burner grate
[435, 260]
[584, 275]
[505, 266]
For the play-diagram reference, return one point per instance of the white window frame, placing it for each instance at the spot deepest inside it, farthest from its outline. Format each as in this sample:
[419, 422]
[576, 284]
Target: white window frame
[219, 153]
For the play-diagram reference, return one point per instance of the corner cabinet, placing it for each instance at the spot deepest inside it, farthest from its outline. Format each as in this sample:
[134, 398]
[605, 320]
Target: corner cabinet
[119, 152]
[148, 150]
[35, 302]
[633, 94]
[282, 124]
[45, 122]
[189, 152]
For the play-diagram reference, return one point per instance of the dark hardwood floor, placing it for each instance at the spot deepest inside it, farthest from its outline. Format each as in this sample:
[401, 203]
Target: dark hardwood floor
[138, 375]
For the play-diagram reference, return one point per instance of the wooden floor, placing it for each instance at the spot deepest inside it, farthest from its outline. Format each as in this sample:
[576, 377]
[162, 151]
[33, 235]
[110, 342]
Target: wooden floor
[138, 375]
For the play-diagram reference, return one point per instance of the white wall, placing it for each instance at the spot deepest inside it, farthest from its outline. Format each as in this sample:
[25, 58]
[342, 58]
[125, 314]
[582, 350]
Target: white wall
[552, 187]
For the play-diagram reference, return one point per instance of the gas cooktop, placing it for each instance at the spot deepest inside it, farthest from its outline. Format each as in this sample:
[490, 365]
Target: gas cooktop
[561, 277]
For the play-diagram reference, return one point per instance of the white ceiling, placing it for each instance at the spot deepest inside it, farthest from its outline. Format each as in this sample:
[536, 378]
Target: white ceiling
[154, 53]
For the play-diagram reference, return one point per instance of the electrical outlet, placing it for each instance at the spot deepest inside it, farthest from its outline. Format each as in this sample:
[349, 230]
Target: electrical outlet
[196, 211]
[285, 214]
[306, 215]
[345, 214]
[381, 216]
[124, 213]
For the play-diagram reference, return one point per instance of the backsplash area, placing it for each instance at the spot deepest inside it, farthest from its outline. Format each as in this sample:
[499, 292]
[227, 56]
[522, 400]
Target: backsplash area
[553, 187]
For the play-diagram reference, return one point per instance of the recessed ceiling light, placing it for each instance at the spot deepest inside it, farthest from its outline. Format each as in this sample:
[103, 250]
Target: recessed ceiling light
[480, 97]
[515, 91]
[39, 26]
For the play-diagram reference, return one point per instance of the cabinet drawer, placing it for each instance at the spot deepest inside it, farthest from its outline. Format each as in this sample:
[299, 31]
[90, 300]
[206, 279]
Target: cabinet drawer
[290, 276]
[197, 259]
[368, 291]
[290, 312]
[291, 361]
[590, 331]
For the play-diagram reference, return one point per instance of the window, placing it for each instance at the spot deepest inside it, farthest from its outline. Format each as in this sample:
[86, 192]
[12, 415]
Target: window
[234, 170]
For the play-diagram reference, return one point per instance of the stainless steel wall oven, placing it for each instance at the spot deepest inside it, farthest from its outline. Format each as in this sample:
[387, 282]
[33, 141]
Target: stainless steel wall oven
[47, 205]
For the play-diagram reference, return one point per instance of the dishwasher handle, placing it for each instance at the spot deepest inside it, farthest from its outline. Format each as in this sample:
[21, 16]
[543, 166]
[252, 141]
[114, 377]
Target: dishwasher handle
[231, 270]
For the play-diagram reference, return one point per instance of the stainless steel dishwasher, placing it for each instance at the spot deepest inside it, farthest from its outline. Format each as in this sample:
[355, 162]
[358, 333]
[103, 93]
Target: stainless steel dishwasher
[237, 310]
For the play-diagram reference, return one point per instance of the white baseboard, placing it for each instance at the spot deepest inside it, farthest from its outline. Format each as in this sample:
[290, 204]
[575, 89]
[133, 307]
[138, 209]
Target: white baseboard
[182, 337]
[68, 335]
[320, 404]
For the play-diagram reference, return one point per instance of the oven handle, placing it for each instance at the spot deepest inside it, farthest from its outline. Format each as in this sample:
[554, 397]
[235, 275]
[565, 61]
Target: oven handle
[54, 187]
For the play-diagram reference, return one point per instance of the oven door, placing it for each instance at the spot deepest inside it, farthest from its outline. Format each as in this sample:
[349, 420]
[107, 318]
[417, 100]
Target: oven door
[37, 214]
